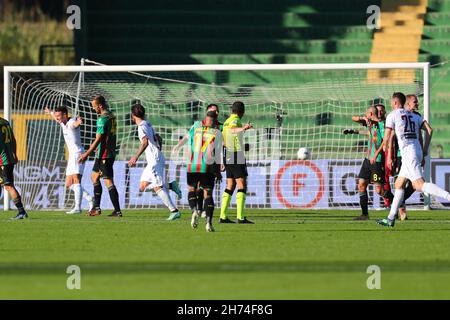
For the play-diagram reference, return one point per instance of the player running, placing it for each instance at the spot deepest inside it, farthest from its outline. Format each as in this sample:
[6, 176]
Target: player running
[406, 126]
[8, 158]
[412, 105]
[105, 146]
[235, 164]
[372, 166]
[153, 175]
[211, 107]
[74, 170]
[205, 152]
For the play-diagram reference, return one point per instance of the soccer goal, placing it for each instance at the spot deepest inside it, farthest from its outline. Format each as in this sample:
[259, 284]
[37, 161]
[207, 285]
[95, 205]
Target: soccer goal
[290, 105]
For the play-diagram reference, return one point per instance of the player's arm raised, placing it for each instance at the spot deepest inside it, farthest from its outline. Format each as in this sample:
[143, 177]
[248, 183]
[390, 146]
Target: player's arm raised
[50, 113]
[78, 122]
[246, 127]
[142, 147]
[360, 120]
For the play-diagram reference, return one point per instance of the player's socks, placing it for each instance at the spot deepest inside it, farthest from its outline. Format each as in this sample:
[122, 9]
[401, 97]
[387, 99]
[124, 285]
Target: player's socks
[19, 205]
[387, 196]
[200, 198]
[434, 190]
[165, 198]
[240, 203]
[398, 200]
[364, 203]
[226, 199]
[409, 190]
[114, 196]
[175, 188]
[209, 208]
[192, 199]
[97, 194]
[76, 188]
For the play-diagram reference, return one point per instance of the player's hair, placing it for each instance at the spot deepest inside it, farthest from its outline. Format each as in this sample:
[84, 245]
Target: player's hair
[101, 100]
[409, 96]
[238, 107]
[373, 109]
[62, 109]
[138, 111]
[211, 114]
[212, 105]
[400, 97]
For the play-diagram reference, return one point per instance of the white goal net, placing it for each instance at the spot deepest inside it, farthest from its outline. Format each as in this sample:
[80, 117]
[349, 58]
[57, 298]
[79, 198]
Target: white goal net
[290, 106]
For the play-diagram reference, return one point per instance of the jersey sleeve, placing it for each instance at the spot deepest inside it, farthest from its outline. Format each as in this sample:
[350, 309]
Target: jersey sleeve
[100, 126]
[141, 132]
[192, 129]
[420, 120]
[71, 123]
[390, 123]
[235, 123]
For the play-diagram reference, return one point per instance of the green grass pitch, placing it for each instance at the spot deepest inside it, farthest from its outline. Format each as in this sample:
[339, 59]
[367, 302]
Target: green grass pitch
[287, 254]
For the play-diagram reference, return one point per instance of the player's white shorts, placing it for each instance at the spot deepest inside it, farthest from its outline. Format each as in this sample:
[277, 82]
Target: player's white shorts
[411, 164]
[154, 174]
[73, 167]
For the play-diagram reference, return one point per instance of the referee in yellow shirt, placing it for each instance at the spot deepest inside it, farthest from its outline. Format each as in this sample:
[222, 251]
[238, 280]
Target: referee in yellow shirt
[235, 164]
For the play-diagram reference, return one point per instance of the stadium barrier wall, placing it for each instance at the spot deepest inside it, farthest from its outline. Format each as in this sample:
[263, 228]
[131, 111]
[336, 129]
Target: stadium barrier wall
[315, 184]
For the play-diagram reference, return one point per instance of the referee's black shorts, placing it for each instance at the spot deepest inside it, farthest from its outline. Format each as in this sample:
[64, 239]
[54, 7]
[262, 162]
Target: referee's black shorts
[236, 171]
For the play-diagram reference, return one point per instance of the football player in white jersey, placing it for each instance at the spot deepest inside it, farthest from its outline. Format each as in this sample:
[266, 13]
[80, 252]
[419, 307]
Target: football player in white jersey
[406, 126]
[153, 175]
[74, 171]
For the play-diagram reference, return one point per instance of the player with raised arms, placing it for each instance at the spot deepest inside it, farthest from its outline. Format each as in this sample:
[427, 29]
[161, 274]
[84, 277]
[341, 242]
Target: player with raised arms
[235, 163]
[205, 158]
[372, 166]
[406, 126]
[8, 158]
[105, 146]
[153, 175]
[74, 170]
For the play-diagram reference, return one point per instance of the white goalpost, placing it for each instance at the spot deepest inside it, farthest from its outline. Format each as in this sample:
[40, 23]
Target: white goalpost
[290, 105]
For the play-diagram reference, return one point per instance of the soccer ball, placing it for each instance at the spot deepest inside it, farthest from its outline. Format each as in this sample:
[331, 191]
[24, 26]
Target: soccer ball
[303, 153]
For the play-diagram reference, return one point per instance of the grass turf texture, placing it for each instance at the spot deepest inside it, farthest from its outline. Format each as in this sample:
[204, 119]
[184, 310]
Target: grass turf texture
[287, 254]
